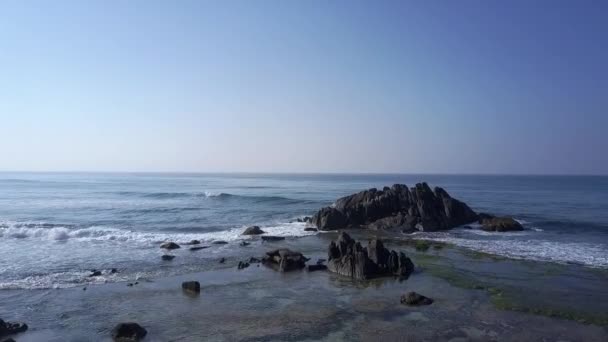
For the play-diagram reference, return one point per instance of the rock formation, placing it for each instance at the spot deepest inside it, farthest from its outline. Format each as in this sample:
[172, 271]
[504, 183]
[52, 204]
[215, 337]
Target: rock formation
[498, 224]
[130, 332]
[284, 260]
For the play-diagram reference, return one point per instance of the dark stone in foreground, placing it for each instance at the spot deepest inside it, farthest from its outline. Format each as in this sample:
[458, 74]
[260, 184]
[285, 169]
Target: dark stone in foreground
[415, 299]
[348, 258]
[167, 257]
[253, 230]
[273, 238]
[9, 328]
[499, 224]
[170, 245]
[285, 260]
[397, 207]
[127, 332]
[192, 286]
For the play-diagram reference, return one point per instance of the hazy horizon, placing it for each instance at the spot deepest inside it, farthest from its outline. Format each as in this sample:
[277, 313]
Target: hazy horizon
[391, 87]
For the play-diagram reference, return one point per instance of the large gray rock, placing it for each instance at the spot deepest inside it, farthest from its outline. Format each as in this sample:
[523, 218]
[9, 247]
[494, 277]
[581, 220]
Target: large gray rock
[397, 207]
[128, 332]
[348, 258]
[253, 230]
[170, 245]
[284, 260]
[499, 224]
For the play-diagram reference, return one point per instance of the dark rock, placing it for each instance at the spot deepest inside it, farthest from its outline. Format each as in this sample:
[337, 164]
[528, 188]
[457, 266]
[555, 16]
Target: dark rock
[310, 229]
[112, 271]
[307, 219]
[220, 242]
[167, 257]
[170, 245]
[198, 248]
[193, 242]
[130, 284]
[415, 299]
[467, 227]
[500, 224]
[222, 260]
[253, 260]
[192, 286]
[9, 340]
[253, 230]
[9, 328]
[95, 273]
[396, 207]
[317, 267]
[128, 332]
[349, 258]
[321, 261]
[284, 260]
[273, 238]
[242, 264]
[244, 244]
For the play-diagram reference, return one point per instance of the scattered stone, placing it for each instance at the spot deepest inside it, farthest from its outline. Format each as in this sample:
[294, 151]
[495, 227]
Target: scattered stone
[284, 260]
[415, 299]
[84, 288]
[244, 243]
[191, 286]
[193, 242]
[273, 238]
[170, 245]
[310, 229]
[253, 230]
[349, 258]
[130, 284]
[198, 248]
[167, 257]
[128, 332]
[219, 242]
[317, 267]
[95, 273]
[9, 328]
[499, 224]
[396, 207]
[253, 260]
[112, 271]
[242, 264]
[222, 260]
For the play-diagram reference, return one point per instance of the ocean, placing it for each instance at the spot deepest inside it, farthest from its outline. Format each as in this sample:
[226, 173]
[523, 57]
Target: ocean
[57, 227]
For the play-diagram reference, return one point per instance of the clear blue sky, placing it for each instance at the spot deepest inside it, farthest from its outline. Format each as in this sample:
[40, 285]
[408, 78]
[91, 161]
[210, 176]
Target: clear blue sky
[305, 86]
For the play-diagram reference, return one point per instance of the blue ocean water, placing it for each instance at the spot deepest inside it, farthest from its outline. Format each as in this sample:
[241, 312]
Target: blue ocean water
[56, 227]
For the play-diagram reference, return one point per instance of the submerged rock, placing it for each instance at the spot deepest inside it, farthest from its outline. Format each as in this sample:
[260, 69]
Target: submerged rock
[9, 328]
[415, 299]
[167, 257]
[95, 273]
[220, 242]
[222, 260]
[499, 224]
[253, 230]
[191, 286]
[397, 207]
[193, 242]
[170, 245]
[128, 332]
[273, 238]
[310, 229]
[242, 265]
[198, 248]
[285, 260]
[244, 244]
[348, 258]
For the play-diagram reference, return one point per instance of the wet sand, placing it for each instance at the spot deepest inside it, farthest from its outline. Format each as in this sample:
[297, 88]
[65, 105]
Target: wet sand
[258, 304]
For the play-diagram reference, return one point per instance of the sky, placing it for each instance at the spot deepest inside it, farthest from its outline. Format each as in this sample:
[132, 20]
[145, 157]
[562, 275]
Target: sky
[507, 87]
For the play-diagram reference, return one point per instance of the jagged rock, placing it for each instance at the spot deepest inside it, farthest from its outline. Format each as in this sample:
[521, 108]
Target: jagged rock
[170, 245]
[242, 265]
[167, 257]
[192, 286]
[193, 242]
[273, 238]
[396, 207]
[253, 230]
[415, 299]
[348, 258]
[284, 260]
[9, 328]
[499, 224]
[253, 260]
[128, 332]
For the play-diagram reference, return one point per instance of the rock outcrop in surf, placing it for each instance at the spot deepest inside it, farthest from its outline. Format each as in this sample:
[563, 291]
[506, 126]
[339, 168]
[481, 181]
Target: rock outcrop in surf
[397, 207]
[348, 258]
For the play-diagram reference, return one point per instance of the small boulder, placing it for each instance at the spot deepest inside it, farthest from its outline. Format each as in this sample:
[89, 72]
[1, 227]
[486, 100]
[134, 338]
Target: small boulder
[273, 238]
[198, 248]
[310, 229]
[9, 328]
[193, 242]
[415, 299]
[244, 244]
[253, 260]
[253, 230]
[191, 286]
[95, 273]
[112, 271]
[222, 260]
[128, 332]
[167, 257]
[242, 265]
[500, 224]
[219, 242]
[285, 260]
[170, 245]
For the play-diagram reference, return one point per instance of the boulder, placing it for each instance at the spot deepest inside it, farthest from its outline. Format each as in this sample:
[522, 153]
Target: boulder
[222, 260]
[244, 244]
[348, 258]
[114, 270]
[220, 242]
[170, 245]
[191, 286]
[415, 299]
[500, 224]
[284, 260]
[193, 242]
[198, 248]
[397, 207]
[242, 265]
[95, 273]
[128, 332]
[316, 267]
[10, 328]
[253, 230]
[310, 229]
[167, 257]
[273, 238]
